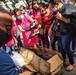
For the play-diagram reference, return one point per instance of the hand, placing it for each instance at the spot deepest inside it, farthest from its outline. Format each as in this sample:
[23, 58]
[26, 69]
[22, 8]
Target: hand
[58, 15]
[39, 26]
[16, 43]
[41, 31]
[36, 30]
[49, 32]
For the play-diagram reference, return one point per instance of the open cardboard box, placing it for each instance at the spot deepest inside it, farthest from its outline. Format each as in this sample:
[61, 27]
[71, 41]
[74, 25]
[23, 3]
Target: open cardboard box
[56, 65]
[53, 66]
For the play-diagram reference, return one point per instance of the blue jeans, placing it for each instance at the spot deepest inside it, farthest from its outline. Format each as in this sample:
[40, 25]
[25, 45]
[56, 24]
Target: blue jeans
[53, 41]
[73, 42]
[66, 40]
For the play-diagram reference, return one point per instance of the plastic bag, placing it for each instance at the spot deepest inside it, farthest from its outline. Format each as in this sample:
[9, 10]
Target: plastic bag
[17, 58]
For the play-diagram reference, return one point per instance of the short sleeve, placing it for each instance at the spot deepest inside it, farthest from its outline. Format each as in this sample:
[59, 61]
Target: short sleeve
[27, 17]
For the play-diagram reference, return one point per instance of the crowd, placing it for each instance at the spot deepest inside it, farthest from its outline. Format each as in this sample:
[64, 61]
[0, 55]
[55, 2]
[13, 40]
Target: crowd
[38, 24]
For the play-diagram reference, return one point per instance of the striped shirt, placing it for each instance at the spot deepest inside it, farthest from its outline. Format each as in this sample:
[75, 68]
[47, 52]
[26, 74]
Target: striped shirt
[48, 20]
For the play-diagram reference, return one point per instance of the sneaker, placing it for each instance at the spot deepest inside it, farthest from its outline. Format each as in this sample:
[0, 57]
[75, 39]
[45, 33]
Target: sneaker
[33, 34]
[32, 26]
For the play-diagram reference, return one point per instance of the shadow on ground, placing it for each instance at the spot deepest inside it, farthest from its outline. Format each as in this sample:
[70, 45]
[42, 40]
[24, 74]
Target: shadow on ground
[73, 72]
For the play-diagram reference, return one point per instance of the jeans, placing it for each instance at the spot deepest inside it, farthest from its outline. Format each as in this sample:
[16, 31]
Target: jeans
[66, 40]
[53, 41]
[73, 42]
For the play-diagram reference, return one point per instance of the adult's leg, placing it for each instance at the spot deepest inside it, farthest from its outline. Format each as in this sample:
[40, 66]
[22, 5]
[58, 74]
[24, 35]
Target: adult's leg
[73, 43]
[66, 40]
[46, 41]
[61, 48]
[53, 41]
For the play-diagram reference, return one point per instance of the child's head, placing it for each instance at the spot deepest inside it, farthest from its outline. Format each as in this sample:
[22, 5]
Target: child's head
[35, 6]
[22, 9]
[58, 3]
[18, 14]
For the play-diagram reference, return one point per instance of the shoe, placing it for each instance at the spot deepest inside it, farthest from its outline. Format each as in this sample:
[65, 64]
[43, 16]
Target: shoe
[32, 26]
[28, 29]
[70, 67]
[33, 34]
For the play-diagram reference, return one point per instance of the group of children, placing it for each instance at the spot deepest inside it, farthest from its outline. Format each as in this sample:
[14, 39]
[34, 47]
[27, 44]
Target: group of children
[36, 24]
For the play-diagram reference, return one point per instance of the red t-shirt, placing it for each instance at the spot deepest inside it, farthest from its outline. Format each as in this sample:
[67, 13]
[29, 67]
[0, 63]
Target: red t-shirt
[48, 20]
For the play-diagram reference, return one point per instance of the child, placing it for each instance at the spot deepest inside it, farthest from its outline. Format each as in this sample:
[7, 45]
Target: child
[24, 22]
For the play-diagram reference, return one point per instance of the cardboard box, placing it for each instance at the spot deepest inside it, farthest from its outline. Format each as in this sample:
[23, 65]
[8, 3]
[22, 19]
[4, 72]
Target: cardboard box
[53, 66]
[30, 68]
[56, 65]
[28, 56]
[27, 73]
[36, 62]
[40, 65]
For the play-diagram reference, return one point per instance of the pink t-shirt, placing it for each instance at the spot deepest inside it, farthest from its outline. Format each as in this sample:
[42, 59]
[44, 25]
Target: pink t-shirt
[25, 24]
[36, 15]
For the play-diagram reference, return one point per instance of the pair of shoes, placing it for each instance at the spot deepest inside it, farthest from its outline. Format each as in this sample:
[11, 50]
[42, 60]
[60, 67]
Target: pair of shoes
[33, 34]
[70, 67]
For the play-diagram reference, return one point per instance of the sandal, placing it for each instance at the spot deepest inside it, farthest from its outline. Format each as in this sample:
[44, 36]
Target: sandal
[70, 67]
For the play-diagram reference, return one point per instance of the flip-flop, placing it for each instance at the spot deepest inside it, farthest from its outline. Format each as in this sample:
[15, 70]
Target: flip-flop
[70, 69]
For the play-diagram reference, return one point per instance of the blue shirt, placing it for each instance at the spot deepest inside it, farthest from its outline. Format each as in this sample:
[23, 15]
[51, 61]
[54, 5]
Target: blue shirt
[7, 66]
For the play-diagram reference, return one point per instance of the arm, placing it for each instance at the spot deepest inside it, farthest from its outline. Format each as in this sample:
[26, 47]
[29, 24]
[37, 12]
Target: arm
[50, 30]
[5, 63]
[21, 29]
[65, 20]
[39, 26]
[31, 20]
[34, 23]
[60, 17]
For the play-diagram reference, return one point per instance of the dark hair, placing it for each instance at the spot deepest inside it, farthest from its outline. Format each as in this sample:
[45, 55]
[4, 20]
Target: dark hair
[15, 10]
[55, 1]
[30, 3]
[45, 4]
[2, 10]
[22, 7]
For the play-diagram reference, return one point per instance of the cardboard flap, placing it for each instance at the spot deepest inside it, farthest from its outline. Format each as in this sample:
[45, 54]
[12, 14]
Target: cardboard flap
[40, 65]
[27, 73]
[30, 68]
[45, 67]
[55, 62]
[28, 56]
